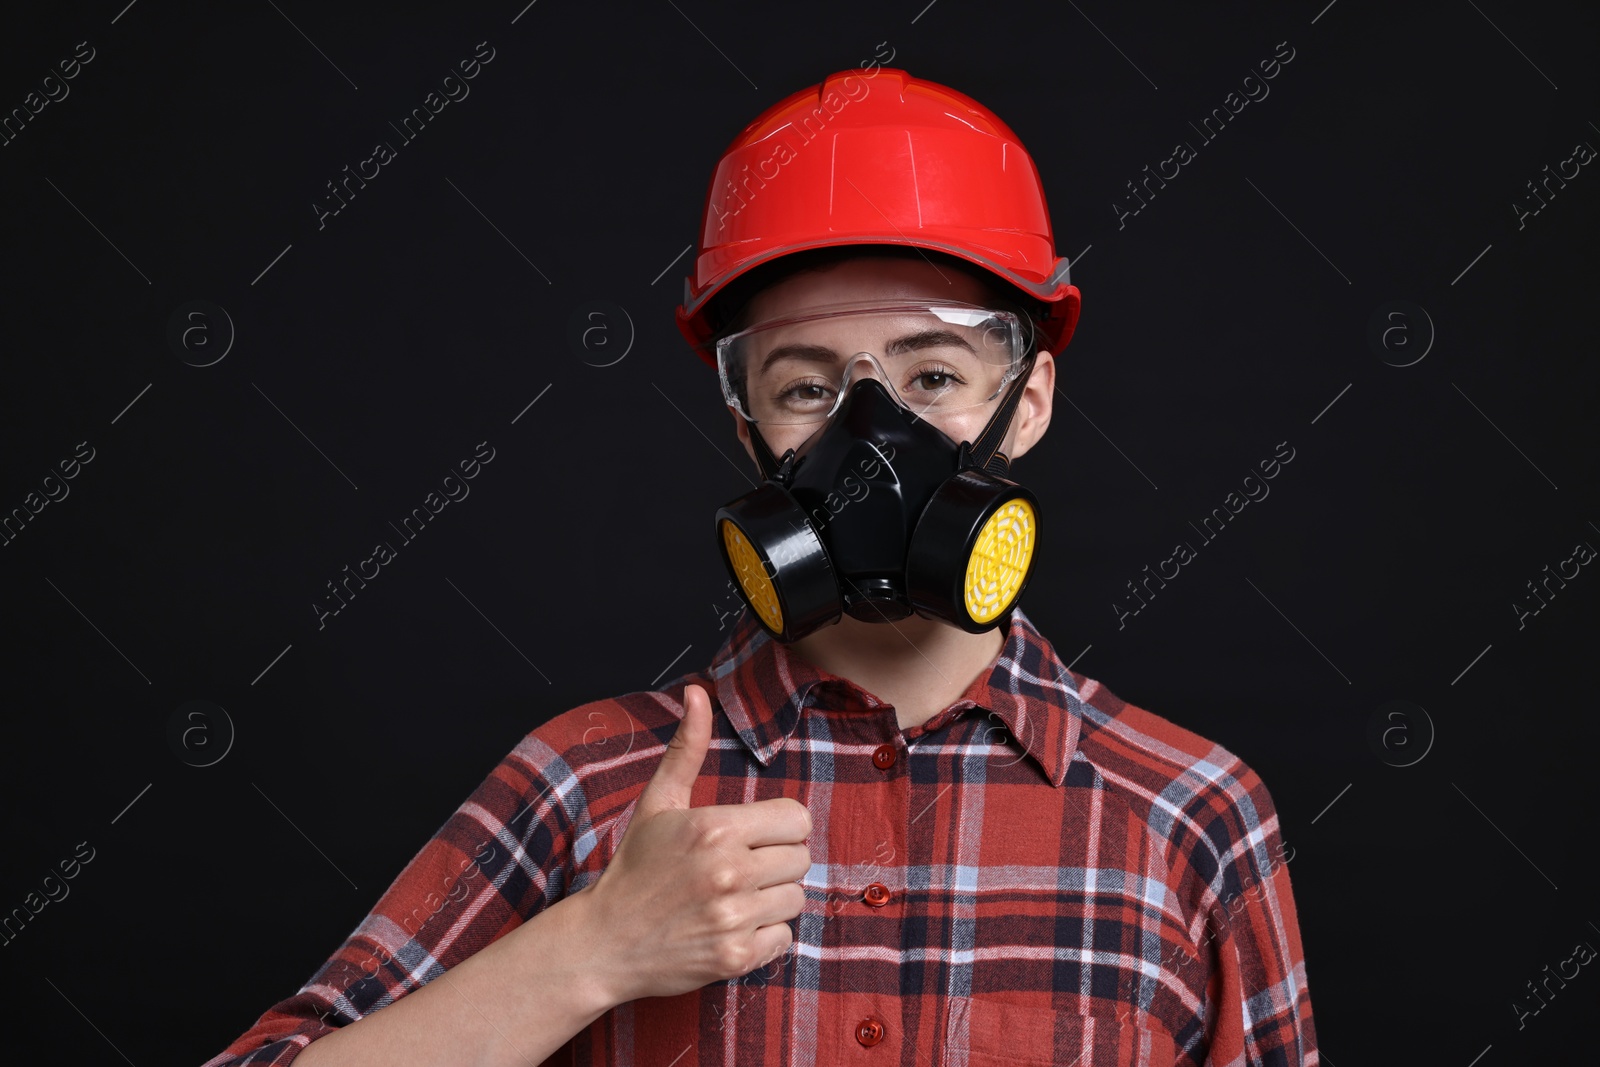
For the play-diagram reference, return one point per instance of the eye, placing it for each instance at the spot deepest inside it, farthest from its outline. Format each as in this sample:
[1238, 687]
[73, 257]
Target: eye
[812, 391]
[937, 378]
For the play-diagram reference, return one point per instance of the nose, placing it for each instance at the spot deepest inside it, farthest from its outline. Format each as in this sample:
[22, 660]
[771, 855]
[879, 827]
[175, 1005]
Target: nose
[860, 365]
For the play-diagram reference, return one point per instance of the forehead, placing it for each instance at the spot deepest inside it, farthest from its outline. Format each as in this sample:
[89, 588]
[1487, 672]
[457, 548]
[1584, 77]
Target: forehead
[866, 277]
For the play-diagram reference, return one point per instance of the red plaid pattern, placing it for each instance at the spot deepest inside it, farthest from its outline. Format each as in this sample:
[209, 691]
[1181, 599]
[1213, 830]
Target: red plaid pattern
[1041, 873]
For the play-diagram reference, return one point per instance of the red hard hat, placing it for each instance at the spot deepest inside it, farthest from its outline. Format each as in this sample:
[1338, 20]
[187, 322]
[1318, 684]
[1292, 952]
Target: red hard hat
[886, 159]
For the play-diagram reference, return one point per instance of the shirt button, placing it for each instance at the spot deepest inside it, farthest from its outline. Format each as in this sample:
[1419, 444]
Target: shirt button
[869, 1031]
[877, 894]
[883, 757]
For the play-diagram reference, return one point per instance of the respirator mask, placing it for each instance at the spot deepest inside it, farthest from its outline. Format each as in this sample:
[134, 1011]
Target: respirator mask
[891, 497]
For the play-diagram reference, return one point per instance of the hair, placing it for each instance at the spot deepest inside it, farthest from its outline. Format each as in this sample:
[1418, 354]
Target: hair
[730, 310]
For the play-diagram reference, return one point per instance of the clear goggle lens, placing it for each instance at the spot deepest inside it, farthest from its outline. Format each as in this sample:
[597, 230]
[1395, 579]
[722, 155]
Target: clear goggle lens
[934, 358]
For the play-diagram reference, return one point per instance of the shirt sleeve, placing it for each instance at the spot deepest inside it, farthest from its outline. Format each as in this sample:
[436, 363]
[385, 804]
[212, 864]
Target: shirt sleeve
[1257, 1007]
[502, 857]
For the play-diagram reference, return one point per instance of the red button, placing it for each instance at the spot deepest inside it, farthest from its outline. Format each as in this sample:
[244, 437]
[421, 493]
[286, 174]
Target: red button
[877, 894]
[869, 1031]
[883, 757]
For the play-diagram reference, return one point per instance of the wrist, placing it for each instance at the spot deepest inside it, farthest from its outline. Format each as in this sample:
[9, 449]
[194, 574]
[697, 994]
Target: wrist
[582, 934]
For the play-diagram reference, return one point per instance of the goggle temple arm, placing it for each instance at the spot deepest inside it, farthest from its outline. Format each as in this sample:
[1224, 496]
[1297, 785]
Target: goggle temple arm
[772, 468]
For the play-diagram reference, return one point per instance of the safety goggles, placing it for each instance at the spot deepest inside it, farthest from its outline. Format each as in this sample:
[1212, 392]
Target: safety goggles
[935, 358]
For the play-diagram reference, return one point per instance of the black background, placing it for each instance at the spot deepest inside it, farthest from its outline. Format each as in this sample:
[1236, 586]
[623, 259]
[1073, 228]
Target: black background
[1229, 315]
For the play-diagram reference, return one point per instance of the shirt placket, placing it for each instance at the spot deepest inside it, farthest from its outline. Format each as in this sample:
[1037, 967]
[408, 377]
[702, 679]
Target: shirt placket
[867, 901]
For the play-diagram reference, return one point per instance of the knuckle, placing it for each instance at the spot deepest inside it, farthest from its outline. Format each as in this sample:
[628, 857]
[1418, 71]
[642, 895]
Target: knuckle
[724, 915]
[734, 958]
[723, 880]
[716, 833]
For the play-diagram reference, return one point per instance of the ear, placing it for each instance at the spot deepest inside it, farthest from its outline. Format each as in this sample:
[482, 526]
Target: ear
[1032, 416]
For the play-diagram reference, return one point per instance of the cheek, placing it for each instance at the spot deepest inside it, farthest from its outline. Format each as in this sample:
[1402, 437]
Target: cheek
[963, 425]
[972, 425]
[782, 438]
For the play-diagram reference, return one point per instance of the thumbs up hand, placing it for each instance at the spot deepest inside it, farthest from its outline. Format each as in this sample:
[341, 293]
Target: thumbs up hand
[695, 895]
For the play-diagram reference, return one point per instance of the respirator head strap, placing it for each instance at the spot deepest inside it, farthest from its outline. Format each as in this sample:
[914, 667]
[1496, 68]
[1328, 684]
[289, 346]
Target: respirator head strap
[773, 469]
[985, 451]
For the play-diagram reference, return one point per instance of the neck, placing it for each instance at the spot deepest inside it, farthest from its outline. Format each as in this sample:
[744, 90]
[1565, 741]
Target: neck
[919, 666]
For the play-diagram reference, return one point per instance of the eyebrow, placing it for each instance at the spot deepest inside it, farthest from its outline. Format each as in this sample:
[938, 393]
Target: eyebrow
[930, 338]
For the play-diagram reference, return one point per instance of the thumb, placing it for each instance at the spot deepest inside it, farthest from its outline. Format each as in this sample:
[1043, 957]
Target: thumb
[686, 753]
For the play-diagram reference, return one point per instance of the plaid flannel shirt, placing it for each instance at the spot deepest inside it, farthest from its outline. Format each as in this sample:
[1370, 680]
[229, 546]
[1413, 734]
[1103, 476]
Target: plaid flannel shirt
[1039, 874]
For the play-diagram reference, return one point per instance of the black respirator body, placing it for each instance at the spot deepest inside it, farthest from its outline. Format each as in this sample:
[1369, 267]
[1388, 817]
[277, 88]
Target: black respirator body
[884, 516]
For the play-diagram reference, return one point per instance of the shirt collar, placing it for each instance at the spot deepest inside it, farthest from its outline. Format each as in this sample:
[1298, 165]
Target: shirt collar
[764, 686]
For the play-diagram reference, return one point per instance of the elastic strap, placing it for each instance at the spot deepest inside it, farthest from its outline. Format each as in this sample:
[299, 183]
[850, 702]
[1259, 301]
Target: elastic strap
[768, 463]
[985, 451]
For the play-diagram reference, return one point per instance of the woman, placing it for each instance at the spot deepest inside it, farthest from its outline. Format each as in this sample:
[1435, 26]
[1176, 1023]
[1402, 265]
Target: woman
[886, 821]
